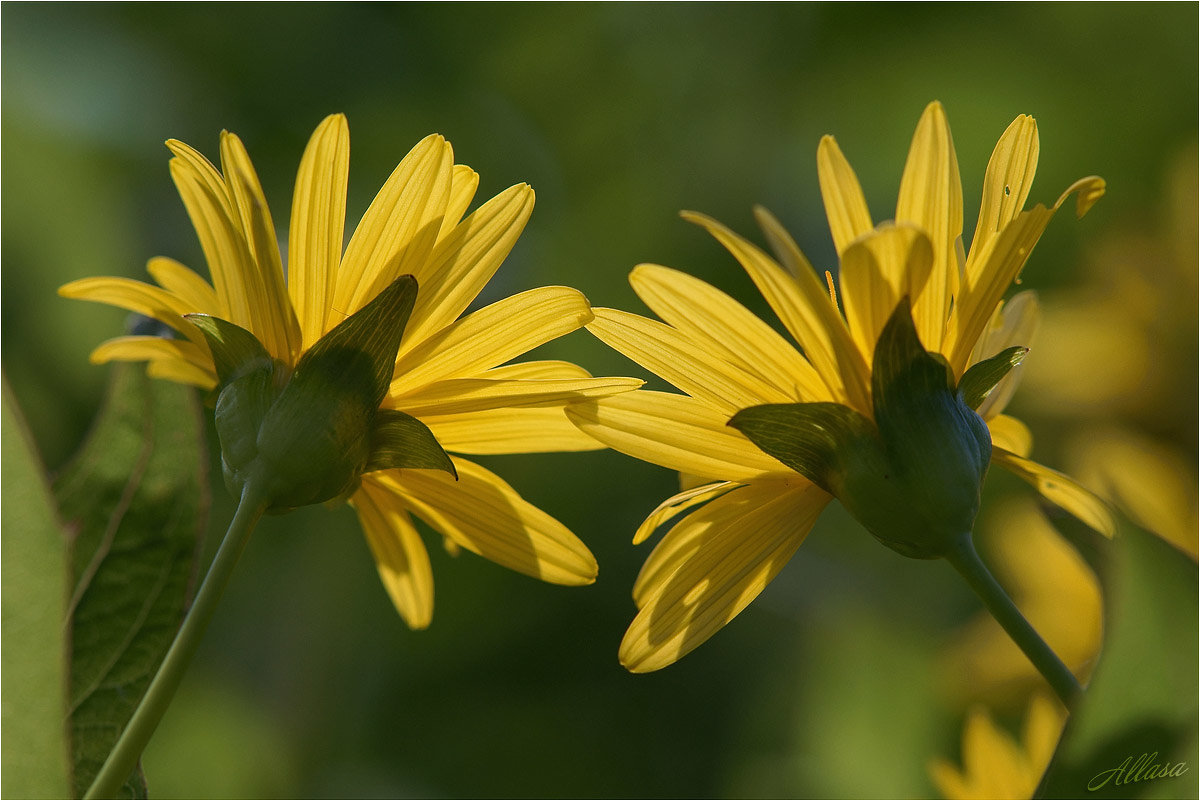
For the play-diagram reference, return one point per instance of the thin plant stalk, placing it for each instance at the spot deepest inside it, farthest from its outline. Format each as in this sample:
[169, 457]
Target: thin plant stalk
[124, 756]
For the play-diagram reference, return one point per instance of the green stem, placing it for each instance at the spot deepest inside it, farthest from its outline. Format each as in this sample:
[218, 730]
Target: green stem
[124, 756]
[967, 562]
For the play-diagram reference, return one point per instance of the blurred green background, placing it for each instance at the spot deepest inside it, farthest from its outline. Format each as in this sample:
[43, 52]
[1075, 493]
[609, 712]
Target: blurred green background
[308, 683]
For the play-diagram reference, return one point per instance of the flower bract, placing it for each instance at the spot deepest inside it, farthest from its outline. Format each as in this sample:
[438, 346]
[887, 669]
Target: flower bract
[744, 511]
[335, 407]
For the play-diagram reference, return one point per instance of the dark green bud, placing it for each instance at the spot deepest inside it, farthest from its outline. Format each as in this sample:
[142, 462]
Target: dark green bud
[913, 476]
[307, 436]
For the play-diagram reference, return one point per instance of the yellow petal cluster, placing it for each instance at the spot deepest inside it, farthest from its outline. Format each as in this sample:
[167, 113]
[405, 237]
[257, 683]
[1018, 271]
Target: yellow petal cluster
[451, 370]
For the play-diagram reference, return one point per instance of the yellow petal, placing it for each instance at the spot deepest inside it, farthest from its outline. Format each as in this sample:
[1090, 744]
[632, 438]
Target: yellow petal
[491, 336]
[465, 260]
[181, 372]
[712, 564]
[136, 296]
[678, 504]
[803, 306]
[782, 244]
[218, 228]
[185, 284]
[400, 228]
[544, 368]
[524, 430]
[463, 183]
[277, 326]
[931, 198]
[485, 515]
[725, 328]
[1008, 179]
[1010, 434]
[1041, 731]
[992, 759]
[317, 226]
[991, 272]
[468, 395]
[1087, 191]
[1059, 489]
[845, 205]
[1153, 483]
[175, 357]
[400, 556]
[674, 431]
[678, 358]
[877, 270]
[986, 281]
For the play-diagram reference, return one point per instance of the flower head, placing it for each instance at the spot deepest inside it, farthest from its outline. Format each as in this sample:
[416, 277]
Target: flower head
[893, 399]
[354, 372]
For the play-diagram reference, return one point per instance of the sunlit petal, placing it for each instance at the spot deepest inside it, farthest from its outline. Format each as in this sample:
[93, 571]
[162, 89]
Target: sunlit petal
[465, 260]
[674, 431]
[803, 305]
[719, 324]
[712, 564]
[845, 205]
[400, 228]
[485, 515]
[1059, 489]
[491, 336]
[400, 556]
[317, 225]
[931, 198]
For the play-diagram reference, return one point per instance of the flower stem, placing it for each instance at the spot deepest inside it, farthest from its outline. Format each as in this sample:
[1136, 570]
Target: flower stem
[967, 562]
[124, 756]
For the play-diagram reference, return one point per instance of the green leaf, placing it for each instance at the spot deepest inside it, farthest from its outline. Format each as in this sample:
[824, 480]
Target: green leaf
[375, 330]
[33, 552]
[811, 438]
[401, 440]
[1140, 709]
[979, 381]
[136, 497]
[234, 349]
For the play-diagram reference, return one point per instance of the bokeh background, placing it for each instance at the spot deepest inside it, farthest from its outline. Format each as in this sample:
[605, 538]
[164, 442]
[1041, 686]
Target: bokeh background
[835, 682]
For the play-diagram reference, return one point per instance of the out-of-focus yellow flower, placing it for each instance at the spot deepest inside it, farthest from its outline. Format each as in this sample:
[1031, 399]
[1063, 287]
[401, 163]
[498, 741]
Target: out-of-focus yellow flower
[447, 373]
[753, 511]
[1124, 360]
[994, 763]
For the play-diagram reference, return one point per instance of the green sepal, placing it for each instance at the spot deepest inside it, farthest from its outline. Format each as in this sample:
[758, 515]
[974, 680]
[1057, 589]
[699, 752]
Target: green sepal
[979, 381]
[361, 350]
[811, 438]
[306, 437]
[937, 448]
[234, 349]
[400, 440]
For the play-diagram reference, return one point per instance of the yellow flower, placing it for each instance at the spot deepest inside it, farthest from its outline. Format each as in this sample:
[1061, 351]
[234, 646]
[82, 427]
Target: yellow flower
[755, 512]
[450, 372]
[994, 764]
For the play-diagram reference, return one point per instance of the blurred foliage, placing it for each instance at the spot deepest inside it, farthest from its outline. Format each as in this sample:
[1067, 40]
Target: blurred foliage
[308, 683]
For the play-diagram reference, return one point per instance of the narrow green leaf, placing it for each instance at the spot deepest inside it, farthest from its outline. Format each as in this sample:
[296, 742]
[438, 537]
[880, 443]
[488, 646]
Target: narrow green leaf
[135, 497]
[1137, 720]
[33, 553]
[811, 438]
[375, 330]
[401, 440]
[234, 349]
[979, 381]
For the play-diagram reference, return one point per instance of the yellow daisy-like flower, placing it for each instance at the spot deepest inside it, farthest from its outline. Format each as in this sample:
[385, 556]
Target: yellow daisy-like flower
[994, 764]
[753, 511]
[451, 371]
